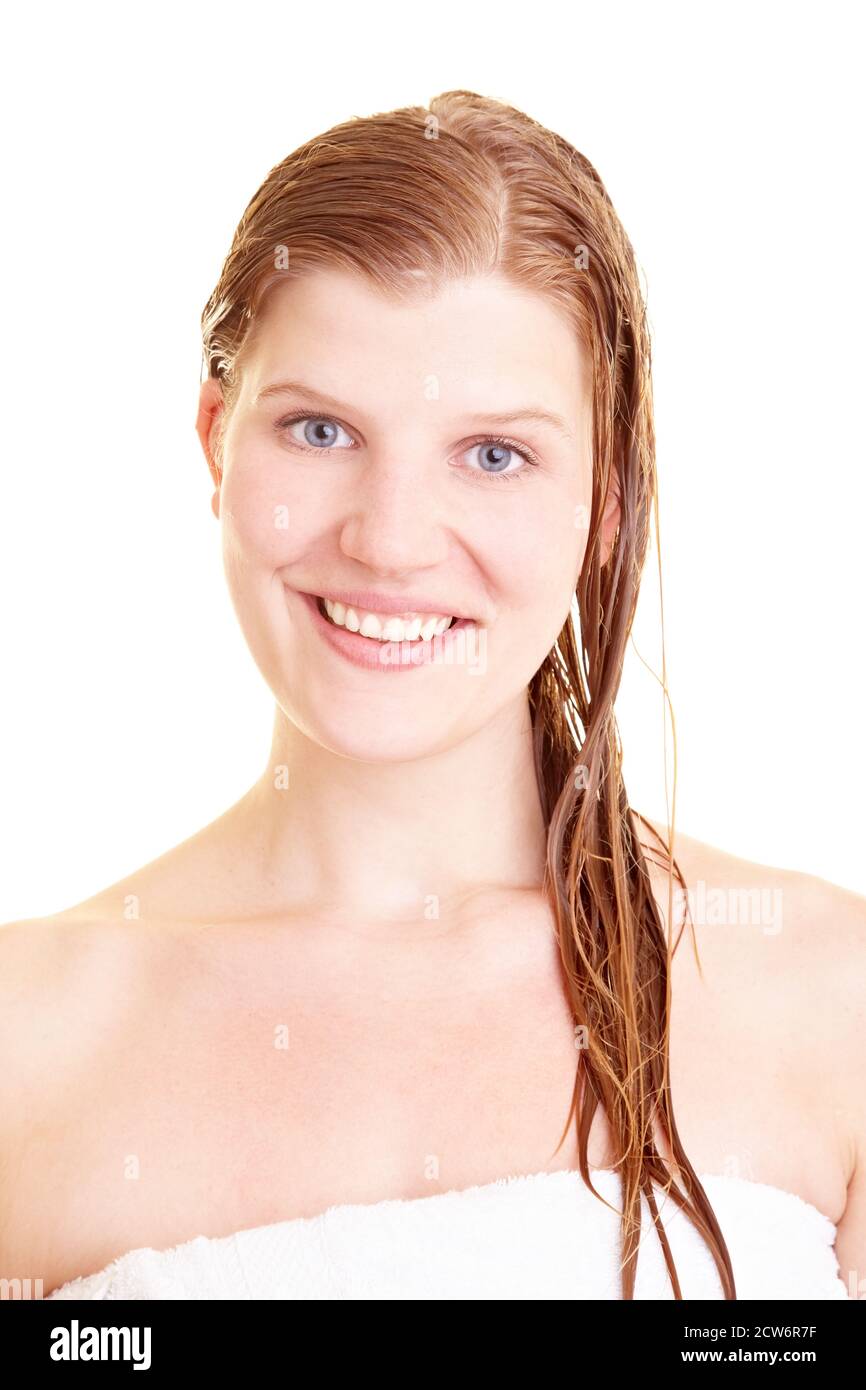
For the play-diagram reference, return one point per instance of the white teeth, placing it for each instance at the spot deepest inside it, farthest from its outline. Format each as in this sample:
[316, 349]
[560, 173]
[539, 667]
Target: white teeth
[385, 628]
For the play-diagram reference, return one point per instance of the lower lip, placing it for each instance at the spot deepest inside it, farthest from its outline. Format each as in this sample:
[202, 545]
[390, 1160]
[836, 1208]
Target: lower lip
[382, 656]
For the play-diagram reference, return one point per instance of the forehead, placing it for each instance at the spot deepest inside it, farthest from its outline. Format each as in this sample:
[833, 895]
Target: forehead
[483, 337]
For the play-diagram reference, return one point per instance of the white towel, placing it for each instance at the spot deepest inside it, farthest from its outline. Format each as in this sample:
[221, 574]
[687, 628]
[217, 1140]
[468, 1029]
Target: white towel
[542, 1236]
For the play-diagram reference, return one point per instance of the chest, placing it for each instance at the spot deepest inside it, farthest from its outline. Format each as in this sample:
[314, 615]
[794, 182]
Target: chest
[236, 1101]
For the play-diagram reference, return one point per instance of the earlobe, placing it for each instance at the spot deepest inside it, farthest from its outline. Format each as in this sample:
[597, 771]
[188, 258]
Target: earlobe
[215, 503]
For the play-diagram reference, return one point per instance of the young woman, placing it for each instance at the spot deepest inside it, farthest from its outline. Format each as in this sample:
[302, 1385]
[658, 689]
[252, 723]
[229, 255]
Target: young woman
[413, 1018]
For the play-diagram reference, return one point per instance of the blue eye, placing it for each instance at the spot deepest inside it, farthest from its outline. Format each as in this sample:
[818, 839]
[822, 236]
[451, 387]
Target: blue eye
[321, 432]
[499, 465]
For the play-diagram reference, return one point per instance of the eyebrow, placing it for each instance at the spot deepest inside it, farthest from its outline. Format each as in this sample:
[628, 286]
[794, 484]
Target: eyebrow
[531, 413]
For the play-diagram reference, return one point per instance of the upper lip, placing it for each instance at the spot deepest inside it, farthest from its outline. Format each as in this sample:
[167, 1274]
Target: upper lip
[372, 602]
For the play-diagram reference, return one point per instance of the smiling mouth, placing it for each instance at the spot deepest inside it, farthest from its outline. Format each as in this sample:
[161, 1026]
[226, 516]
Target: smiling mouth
[416, 627]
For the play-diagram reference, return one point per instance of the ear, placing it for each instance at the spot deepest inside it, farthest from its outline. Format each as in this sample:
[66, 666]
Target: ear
[611, 519]
[210, 408]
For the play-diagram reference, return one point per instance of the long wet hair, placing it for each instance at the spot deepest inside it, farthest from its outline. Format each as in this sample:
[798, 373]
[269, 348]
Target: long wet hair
[412, 199]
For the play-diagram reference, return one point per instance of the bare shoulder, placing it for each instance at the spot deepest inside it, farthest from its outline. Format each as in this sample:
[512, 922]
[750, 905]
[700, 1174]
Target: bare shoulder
[205, 877]
[829, 945]
[59, 979]
[56, 968]
[69, 981]
[40, 960]
[790, 947]
[816, 921]
[802, 928]
[72, 991]
[72, 984]
[72, 988]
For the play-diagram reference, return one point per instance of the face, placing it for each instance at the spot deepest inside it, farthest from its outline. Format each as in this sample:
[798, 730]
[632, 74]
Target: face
[388, 479]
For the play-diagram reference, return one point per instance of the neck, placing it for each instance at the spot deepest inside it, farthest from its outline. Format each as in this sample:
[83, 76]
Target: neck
[402, 842]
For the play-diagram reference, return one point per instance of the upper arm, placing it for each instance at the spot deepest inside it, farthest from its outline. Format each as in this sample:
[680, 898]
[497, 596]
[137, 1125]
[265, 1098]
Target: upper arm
[19, 973]
[851, 1232]
[28, 1014]
[846, 1005]
[37, 960]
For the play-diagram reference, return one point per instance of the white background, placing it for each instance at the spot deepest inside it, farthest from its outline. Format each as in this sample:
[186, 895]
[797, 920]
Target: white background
[730, 139]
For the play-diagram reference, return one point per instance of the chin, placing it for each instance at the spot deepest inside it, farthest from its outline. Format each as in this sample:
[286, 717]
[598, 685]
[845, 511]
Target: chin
[363, 729]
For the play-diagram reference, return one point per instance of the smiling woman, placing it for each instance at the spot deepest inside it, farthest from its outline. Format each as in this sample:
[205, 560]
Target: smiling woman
[433, 953]
[380, 476]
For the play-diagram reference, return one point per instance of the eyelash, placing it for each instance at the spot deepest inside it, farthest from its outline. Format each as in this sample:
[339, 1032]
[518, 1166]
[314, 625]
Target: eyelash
[498, 440]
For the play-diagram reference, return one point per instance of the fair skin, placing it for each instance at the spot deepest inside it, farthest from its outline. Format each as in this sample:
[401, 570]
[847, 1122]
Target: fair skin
[376, 894]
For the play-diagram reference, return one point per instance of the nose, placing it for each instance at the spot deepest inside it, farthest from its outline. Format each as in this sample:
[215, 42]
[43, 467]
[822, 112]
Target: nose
[395, 522]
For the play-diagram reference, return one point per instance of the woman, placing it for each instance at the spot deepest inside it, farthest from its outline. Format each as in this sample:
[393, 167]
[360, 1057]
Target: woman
[409, 1019]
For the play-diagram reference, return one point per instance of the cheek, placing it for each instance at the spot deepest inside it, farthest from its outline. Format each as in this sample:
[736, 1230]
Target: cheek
[537, 566]
[541, 553]
[266, 522]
